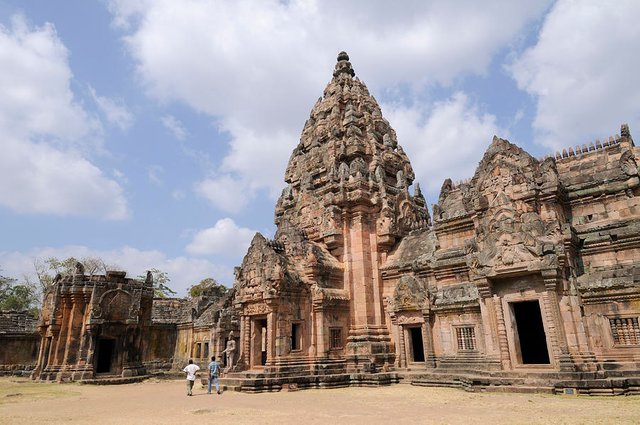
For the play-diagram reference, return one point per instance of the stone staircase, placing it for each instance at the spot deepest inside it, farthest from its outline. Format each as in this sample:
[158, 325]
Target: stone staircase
[114, 380]
[255, 382]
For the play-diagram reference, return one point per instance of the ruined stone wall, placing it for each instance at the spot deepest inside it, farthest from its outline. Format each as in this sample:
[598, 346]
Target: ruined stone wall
[159, 341]
[19, 342]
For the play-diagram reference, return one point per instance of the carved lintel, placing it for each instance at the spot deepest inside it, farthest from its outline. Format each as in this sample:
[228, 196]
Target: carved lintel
[254, 309]
[410, 320]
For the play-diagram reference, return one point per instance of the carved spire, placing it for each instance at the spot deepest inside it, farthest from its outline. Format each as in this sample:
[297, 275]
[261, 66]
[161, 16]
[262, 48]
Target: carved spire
[348, 159]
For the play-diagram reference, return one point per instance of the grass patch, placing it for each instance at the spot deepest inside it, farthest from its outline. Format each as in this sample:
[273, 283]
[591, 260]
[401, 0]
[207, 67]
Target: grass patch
[14, 390]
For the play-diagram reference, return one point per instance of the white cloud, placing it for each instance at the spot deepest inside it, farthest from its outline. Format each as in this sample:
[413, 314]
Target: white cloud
[38, 179]
[115, 110]
[583, 71]
[183, 271]
[45, 132]
[225, 192]
[224, 238]
[257, 67]
[446, 141]
[174, 125]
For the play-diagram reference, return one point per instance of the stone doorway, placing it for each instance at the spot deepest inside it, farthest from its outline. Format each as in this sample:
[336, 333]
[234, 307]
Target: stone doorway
[105, 355]
[417, 345]
[531, 338]
[259, 342]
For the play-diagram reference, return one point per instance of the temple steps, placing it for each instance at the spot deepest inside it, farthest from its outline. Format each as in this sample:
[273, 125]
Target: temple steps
[260, 382]
[553, 382]
[114, 380]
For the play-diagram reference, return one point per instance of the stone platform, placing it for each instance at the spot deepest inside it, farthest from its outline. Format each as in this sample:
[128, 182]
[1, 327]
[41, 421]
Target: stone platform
[252, 382]
[569, 383]
[114, 380]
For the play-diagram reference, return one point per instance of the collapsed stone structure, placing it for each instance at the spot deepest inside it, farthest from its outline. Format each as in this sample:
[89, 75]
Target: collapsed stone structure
[93, 324]
[527, 275]
[98, 328]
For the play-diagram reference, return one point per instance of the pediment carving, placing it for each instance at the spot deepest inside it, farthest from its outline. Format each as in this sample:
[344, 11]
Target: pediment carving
[409, 294]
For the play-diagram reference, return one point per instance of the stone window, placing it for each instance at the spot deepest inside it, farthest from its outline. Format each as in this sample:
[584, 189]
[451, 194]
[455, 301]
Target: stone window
[206, 350]
[296, 337]
[198, 350]
[625, 331]
[335, 338]
[466, 337]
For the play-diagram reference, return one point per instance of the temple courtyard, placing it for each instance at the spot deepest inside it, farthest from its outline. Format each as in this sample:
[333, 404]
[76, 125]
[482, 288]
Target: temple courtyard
[164, 402]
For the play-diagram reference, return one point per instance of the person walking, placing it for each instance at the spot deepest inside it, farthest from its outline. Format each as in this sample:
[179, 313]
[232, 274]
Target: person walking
[214, 370]
[191, 370]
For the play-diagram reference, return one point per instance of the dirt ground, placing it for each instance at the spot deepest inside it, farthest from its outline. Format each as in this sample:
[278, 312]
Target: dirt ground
[165, 402]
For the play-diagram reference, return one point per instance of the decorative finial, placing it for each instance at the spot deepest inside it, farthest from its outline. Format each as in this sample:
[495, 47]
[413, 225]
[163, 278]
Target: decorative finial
[417, 192]
[624, 128]
[343, 66]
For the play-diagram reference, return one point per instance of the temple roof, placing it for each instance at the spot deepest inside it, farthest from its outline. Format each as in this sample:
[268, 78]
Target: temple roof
[348, 157]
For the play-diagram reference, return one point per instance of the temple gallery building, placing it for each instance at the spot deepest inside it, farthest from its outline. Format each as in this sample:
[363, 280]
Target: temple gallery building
[528, 274]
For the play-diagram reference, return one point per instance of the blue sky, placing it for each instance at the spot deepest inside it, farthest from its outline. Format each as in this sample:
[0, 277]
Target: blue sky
[155, 134]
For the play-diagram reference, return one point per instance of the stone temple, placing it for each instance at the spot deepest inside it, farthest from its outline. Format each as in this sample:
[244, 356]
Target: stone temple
[526, 276]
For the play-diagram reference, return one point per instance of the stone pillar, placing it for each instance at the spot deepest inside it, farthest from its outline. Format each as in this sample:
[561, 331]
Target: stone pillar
[399, 341]
[361, 278]
[503, 342]
[553, 318]
[320, 334]
[74, 331]
[271, 338]
[368, 339]
[52, 365]
[84, 338]
[427, 338]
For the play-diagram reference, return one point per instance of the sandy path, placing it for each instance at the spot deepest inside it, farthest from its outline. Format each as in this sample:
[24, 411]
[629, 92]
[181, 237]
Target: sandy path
[164, 402]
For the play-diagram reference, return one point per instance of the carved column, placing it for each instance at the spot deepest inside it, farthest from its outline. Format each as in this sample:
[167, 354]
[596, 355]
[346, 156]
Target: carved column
[84, 337]
[321, 335]
[92, 336]
[427, 335]
[503, 342]
[52, 363]
[271, 338]
[489, 319]
[555, 324]
[245, 338]
[63, 329]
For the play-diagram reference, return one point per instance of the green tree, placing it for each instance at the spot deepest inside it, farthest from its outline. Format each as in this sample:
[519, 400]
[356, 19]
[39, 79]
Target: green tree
[208, 287]
[18, 296]
[160, 281]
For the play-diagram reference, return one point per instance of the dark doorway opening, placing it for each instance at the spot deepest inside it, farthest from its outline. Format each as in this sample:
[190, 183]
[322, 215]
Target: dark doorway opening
[533, 341]
[105, 355]
[417, 348]
[295, 336]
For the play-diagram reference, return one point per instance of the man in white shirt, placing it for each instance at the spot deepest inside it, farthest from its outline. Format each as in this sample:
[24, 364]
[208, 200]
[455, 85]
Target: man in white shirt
[191, 370]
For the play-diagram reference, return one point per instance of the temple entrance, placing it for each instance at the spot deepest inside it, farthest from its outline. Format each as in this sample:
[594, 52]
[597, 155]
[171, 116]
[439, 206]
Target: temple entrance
[530, 332]
[417, 347]
[105, 355]
[259, 342]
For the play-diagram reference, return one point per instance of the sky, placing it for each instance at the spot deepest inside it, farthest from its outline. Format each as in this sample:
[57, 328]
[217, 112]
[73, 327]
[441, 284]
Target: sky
[156, 133]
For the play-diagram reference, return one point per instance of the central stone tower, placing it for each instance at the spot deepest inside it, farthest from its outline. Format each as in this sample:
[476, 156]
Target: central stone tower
[348, 189]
